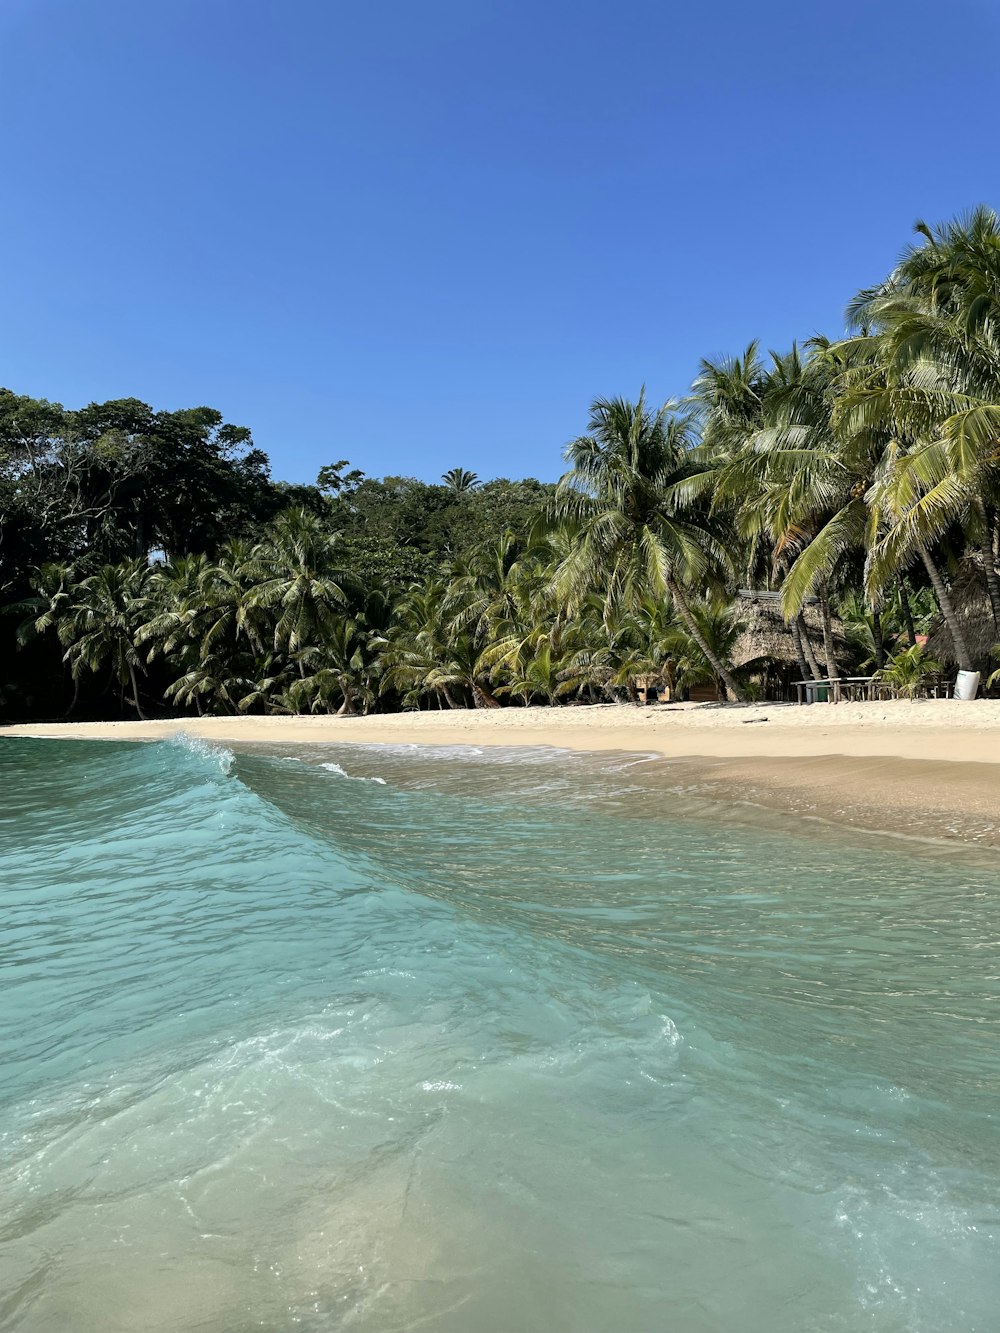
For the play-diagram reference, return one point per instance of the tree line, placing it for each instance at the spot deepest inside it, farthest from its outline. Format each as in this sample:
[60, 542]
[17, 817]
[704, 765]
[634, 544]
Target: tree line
[149, 562]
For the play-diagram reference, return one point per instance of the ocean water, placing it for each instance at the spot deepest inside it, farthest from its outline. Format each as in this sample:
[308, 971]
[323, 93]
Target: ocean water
[392, 1039]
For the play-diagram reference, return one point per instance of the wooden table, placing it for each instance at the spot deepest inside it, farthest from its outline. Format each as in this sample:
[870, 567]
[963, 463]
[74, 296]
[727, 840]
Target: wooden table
[847, 687]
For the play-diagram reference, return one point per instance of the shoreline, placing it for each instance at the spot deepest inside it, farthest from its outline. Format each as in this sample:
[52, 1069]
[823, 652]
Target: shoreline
[926, 769]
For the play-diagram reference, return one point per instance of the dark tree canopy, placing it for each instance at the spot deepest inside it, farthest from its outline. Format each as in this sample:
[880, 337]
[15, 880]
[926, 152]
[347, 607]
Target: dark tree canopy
[118, 479]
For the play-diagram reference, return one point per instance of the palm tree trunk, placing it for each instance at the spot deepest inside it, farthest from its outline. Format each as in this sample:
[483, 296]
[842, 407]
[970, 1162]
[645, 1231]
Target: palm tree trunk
[135, 693]
[482, 698]
[943, 596]
[877, 637]
[722, 672]
[800, 652]
[829, 651]
[904, 601]
[810, 651]
[814, 670]
[990, 569]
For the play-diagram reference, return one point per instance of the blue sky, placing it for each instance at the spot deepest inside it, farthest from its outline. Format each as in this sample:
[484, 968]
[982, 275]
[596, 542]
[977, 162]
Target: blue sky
[425, 235]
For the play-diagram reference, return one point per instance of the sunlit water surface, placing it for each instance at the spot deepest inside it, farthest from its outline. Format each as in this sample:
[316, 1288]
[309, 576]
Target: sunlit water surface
[383, 1039]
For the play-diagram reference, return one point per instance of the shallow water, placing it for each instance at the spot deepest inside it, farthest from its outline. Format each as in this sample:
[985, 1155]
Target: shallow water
[380, 1039]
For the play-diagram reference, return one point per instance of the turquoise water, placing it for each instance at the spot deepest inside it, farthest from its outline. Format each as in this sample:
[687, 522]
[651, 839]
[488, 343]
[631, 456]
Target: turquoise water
[392, 1039]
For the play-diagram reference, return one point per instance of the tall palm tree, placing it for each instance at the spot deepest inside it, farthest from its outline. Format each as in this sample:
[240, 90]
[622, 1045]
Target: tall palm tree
[639, 534]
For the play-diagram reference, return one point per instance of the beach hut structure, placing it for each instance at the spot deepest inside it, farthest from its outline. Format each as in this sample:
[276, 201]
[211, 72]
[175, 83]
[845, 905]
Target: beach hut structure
[765, 649]
[972, 607]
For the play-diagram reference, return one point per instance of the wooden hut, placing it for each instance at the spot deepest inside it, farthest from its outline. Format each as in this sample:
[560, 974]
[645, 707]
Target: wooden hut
[766, 650]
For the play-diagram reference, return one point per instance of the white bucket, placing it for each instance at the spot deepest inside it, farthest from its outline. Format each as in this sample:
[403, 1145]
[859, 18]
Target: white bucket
[966, 684]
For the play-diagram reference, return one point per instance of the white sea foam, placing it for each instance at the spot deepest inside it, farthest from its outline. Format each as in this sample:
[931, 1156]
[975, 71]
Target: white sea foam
[211, 750]
[341, 772]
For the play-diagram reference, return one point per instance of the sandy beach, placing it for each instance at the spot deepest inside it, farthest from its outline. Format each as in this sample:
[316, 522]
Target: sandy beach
[929, 767]
[940, 730]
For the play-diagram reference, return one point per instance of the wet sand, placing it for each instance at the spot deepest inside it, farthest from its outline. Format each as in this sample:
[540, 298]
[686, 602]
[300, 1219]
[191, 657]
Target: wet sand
[930, 768]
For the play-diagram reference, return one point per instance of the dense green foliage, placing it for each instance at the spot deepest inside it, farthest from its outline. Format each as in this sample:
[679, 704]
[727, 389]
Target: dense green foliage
[149, 562]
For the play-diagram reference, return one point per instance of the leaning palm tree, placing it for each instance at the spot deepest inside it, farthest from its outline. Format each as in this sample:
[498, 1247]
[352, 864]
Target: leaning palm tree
[936, 317]
[638, 533]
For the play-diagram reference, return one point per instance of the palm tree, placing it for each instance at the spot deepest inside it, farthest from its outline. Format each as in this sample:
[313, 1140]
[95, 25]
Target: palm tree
[100, 626]
[938, 318]
[938, 395]
[540, 676]
[744, 405]
[908, 671]
[301, 582]
[423, 653]
[343, 673]
[460, 481]
[45, 611]
[202, 621]
[639, 534]
[213, 680]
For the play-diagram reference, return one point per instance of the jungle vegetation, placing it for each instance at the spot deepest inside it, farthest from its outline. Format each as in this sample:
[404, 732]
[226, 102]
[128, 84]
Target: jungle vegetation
[149, 562]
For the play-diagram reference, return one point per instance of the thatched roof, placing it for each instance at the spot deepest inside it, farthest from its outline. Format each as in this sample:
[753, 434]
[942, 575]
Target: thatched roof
[972, 606]
[766, 638]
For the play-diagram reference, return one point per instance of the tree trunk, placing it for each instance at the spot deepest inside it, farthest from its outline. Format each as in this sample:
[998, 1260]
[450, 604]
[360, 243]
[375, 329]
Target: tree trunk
[809, 650]
[135, 693]
[722, 672]
[449, 698]
[948, 611]
[877, 637]
[829, 651]
[799, 650]
[986, 548]
[904, 601]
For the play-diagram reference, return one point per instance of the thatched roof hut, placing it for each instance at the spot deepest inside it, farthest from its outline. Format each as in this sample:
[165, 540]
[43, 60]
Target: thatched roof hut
[972, 606]
[765, 638]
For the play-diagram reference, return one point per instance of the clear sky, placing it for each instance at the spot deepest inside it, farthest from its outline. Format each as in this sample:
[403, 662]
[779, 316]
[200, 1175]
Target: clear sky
[425, 235]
